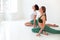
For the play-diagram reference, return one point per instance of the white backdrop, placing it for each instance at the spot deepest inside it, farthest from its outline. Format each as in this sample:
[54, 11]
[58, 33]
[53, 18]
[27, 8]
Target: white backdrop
[24, 11]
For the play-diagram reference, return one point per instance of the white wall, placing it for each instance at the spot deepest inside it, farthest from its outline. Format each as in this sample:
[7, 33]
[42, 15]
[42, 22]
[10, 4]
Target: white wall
[1, 11]
[12, 9]
[20, 9]
[53, 13]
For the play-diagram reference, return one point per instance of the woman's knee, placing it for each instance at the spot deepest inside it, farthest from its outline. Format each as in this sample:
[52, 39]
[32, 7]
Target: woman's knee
[25, 24]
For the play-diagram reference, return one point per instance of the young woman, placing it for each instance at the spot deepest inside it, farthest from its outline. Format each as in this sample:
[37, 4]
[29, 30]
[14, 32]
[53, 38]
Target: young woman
[33, 22]
[42, 27]
[34, 17]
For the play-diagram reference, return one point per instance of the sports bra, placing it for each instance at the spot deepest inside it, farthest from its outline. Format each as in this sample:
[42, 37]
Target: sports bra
[40, 20]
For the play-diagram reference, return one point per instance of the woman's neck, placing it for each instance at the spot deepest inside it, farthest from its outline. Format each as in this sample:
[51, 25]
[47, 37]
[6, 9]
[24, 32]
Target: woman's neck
[41, 13]
[34, 10]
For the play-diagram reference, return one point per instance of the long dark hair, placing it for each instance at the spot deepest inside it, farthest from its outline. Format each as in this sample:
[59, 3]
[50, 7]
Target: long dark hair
[36, 7]
[44, 11]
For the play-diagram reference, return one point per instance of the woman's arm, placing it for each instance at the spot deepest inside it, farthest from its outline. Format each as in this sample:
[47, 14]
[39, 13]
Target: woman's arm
[41, 25]
[44, 21]
[34, 20]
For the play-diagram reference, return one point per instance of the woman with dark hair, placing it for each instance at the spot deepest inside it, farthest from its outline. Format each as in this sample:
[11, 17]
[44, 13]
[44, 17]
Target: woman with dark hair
[33, 22]
[42, 27]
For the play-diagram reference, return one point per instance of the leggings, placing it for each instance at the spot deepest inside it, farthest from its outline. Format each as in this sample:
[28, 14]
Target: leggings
[47, 29]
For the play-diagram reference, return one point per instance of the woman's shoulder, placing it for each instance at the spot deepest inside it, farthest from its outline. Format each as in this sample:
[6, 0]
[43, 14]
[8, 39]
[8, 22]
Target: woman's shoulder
[43, 15]
[35, 13]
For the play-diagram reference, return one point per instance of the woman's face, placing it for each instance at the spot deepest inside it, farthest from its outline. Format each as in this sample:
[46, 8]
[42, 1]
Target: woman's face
[40, 10]
[33, 7]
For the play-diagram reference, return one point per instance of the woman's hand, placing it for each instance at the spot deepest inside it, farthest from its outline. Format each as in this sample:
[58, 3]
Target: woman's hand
[34, 25]
[34, 21]
[45, 33]
[38, 34]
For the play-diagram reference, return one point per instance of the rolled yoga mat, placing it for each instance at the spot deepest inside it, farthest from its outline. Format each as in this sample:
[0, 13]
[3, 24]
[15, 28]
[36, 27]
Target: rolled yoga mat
[47, 29]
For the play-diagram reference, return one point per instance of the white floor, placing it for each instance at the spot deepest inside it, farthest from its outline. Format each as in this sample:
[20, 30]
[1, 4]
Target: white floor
[16, 30]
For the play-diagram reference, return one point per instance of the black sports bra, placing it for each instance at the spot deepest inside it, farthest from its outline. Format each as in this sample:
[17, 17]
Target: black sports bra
[40, 20]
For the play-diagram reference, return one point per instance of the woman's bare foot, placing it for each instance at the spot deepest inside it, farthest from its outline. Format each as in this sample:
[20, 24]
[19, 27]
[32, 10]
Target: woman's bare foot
[45, 33]
[55, 25]
[28, 24]
[38, 34]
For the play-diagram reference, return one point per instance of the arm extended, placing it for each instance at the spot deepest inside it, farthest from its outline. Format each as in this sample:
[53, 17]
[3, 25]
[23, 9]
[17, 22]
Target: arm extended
[41, 25]
[34, 21]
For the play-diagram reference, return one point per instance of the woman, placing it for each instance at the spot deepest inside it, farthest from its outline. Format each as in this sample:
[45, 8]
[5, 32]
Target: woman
[33, 22]
[42, 27]
[34, 17]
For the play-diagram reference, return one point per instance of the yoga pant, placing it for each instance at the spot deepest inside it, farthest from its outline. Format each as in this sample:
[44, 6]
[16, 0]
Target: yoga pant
[32, 22]
[47, 29]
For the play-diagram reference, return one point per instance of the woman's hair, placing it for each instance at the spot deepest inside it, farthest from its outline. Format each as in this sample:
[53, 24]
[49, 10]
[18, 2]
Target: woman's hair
[36, 7]
[44, 11]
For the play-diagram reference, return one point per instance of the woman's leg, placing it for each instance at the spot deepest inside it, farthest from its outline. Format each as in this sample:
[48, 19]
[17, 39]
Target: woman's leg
[45, 33]
[41, 30]
[28, 24]
[52, 25]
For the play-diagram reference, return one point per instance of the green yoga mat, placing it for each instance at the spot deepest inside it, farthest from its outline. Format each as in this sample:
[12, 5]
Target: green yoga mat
[47, 29]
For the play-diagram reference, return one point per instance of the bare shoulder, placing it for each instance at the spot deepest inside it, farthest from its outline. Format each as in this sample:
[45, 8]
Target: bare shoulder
[43, 18]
